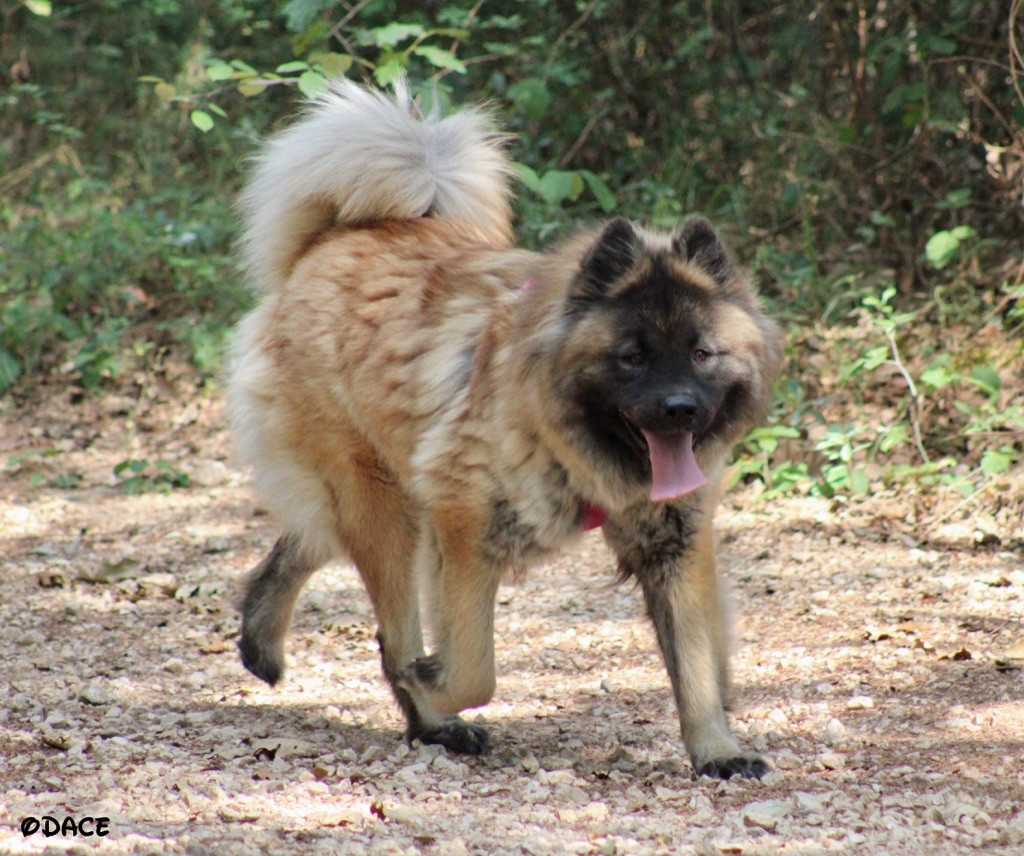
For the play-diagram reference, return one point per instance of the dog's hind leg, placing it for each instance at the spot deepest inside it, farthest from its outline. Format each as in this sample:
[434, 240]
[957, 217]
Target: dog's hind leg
[268, 603]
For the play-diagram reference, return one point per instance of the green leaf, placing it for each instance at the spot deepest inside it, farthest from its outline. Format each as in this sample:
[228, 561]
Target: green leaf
[942, 247]
[532, 97]
[312, 83]
[996, 461]
[164, 91]
[292, 67]
[219, 70]
[390, 69]
[202, 120]
[527, 176]
[39, 7]
[937, 44]
[330, 63]
[440, 58]
[10, 370]
[694, 42]
[392, 34]
[556, 186]
[988, 379]
[604, 195]
[251, 87]
[859, 481]
[299, 14]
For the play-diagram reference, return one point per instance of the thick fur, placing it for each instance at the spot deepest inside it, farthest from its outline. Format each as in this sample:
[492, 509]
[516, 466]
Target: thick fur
[413, 392]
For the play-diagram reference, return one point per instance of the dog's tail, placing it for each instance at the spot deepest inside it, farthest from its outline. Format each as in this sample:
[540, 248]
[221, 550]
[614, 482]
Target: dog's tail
[360, 156]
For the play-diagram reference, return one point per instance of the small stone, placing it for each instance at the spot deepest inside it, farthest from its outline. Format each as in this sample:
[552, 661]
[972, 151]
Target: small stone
[162, 582]
[832, 760]
[209, 473]
[835, 732]
[810, 803]
[766, 814]
[96, 694]
[860, 702]
[235, 813]
[216, 545]
[530, 763]
[371, 753]
[403, 815]
[786, 760]
[56, 739]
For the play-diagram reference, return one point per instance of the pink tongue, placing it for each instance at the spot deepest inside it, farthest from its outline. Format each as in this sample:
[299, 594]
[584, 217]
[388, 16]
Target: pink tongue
[674, 470]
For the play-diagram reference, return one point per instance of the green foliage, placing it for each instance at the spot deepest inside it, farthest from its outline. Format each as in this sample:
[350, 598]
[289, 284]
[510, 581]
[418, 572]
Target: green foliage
[943, 246]
[111, 270]
[139, 475]
[950, 419]
[864, 160]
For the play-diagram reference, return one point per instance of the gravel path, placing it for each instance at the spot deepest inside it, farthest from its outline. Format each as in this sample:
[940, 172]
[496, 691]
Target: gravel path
[881, 673]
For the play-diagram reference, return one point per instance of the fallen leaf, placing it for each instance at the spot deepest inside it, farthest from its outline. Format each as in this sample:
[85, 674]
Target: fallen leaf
[962, 654]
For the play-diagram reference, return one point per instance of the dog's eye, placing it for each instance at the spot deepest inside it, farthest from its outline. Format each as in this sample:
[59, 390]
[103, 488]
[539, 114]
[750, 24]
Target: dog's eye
[701, 356]
[633, 358]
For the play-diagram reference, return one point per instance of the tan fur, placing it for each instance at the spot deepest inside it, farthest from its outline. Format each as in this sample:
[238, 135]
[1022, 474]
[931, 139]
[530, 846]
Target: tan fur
[405, 401]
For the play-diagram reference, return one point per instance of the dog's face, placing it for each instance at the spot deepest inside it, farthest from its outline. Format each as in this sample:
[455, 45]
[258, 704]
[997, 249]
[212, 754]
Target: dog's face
[666, 353]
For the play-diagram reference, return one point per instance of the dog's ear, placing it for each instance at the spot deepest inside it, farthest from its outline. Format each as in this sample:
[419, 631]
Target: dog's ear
[611, 255]
[698, 242]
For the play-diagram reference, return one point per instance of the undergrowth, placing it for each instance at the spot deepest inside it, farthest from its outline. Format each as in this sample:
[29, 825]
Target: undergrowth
[865, 160]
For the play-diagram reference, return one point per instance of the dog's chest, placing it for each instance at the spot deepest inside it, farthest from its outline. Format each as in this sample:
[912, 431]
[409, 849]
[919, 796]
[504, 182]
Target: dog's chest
[533, 515]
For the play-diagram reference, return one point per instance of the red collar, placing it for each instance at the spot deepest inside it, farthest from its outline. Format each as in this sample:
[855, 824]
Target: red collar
[593, 515]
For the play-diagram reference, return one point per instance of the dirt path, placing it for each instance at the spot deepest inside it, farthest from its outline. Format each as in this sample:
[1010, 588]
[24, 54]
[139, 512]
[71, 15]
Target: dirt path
[881, 675]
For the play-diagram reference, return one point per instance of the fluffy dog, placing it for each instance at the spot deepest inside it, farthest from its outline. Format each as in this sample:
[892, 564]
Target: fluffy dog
[417, 394]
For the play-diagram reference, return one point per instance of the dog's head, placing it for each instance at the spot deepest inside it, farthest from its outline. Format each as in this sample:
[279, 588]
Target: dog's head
[664, 355]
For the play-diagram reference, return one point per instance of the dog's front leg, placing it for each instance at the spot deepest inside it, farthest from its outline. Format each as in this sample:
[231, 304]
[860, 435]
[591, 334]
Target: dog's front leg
[459, 587]
[670, 551]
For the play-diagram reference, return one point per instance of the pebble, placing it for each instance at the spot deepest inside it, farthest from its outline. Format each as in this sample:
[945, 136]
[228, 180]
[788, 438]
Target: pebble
[835, 732]
[209, 473]
[95, 693]
[831, 760]
[766, 814]
[403, 814]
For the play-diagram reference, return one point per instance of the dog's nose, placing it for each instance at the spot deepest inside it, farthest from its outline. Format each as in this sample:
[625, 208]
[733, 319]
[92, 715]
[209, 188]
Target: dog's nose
[680, 410]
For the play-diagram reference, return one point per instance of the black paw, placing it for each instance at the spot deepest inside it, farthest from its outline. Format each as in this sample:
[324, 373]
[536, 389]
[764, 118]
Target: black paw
[456, 735]
[726, 768]
[256, 660]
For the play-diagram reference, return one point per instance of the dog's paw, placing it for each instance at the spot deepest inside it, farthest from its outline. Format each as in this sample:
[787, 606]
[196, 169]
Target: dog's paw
[744, 766]
[456, 735]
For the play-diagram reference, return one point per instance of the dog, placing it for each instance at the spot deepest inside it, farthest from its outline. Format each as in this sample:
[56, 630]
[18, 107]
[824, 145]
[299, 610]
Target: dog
[417, 394]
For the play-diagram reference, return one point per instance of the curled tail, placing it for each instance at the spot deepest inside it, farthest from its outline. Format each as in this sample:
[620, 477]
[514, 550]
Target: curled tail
[360, 156]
